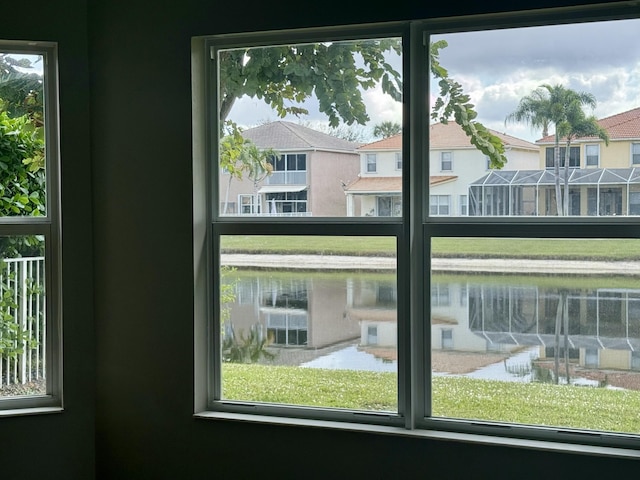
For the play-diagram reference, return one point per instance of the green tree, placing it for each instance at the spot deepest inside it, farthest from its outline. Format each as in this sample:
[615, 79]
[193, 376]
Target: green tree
[239, 156]
[330, 71]
[21, 93]
[553, 105]
[386, 129]
[336, 73]
[577, 124]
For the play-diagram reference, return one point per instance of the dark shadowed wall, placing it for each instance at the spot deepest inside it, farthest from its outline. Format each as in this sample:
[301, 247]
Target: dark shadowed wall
[61, 446]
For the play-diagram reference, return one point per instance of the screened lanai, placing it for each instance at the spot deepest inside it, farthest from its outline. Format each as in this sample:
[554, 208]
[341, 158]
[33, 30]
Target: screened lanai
[593, 192]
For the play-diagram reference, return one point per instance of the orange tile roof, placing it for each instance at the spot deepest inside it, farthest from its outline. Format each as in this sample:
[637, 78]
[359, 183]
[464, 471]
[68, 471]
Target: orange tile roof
[389, 184]
[448, 135]
[390, 143]
[625, 125]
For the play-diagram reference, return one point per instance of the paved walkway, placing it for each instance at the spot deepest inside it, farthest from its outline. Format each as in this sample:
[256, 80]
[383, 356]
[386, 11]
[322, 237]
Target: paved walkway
[475, 265]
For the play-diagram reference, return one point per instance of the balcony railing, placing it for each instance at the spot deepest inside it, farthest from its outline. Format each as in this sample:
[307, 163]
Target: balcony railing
[287, 178]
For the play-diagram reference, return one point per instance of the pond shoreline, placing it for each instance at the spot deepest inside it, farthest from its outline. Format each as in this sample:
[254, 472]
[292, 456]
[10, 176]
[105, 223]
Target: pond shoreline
[467, 265]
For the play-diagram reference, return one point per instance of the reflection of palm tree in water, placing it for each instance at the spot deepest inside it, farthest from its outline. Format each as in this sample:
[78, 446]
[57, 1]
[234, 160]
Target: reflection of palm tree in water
[562, 321]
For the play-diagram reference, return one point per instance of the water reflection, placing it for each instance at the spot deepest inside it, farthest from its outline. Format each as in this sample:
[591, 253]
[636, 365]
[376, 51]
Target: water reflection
[499, 326]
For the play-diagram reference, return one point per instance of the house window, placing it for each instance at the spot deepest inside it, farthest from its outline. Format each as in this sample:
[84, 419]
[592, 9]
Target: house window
[574, 157]
[635, 154]
[398, 160]
[248, 205]
[592, 153]
[389, 206]
[446, 161]
[30, 228]
[287, 203]
[289, 169]
[515, 305]
[439, 205]
[464, 205]
[447, 339]
[371, 162]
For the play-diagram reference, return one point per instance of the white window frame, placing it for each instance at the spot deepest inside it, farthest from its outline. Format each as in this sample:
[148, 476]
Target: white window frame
[371, 163]
[398, 161]
[49, 227]
[440, 201]
[635, 153]
[413, 231]
[448, 160]
[586, 155]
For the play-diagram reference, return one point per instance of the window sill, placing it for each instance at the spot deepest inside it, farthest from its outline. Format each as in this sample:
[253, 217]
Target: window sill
[22, 412]
[561, 447]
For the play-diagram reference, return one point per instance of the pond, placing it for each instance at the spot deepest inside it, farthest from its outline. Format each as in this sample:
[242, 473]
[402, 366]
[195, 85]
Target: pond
[507, 327]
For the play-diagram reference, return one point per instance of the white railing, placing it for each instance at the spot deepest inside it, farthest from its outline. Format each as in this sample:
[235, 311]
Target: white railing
[22, 321]
[294, 177]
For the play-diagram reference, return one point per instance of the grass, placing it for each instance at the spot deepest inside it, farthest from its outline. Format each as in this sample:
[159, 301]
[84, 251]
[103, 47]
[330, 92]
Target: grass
[455, 397]
[573, 249]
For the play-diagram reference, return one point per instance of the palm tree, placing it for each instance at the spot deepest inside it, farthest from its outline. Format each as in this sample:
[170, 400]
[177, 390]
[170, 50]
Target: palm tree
[553, 105]
[387, 129]
[577, 125]
[239, 156]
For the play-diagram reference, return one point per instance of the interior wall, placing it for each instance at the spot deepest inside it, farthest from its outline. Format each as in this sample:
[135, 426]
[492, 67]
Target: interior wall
[61, 445]
[141, 156]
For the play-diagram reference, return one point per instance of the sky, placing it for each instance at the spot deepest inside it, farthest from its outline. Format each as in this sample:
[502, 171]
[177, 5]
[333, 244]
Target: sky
[497, 68]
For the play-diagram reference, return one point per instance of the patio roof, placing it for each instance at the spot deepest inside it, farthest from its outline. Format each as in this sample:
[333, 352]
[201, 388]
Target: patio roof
[281, 188]
[577, 176]
[367, 185]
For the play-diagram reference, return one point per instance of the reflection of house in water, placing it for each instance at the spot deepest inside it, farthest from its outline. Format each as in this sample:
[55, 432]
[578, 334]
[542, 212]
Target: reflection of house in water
[315, 310]
[600, 327]
[450, 319]
[310, 309]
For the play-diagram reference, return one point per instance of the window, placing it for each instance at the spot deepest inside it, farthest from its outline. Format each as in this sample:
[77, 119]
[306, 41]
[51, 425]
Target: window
[398, 160]
[574, 157]
[371, 162]
[439, 204]
[592, 153]
[529, 301]
[29, 228]
[464, 205]
[635, 154]
[390, 206]
[248, 205]
[289, 169]
[446, 161]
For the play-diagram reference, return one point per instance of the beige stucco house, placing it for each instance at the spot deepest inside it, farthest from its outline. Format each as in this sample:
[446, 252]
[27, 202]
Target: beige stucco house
[603, 179]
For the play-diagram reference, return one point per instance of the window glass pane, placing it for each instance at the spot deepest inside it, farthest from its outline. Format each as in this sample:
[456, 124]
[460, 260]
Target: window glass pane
[321, 118]
[553, 346]
[22, 135]
[23, 321]
[510, 93]
[310, 321]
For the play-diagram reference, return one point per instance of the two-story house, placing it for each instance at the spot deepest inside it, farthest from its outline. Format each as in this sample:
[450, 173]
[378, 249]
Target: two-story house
[603, 179]
[454, 163]
[307, 176]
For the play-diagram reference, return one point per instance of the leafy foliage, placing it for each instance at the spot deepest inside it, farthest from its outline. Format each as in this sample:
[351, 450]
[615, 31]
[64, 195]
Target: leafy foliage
[240, 157]
[333, 72]
[453, 102]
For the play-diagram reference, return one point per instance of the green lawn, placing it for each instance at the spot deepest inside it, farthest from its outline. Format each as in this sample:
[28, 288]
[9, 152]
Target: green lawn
[592, 249]
[454, 397]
